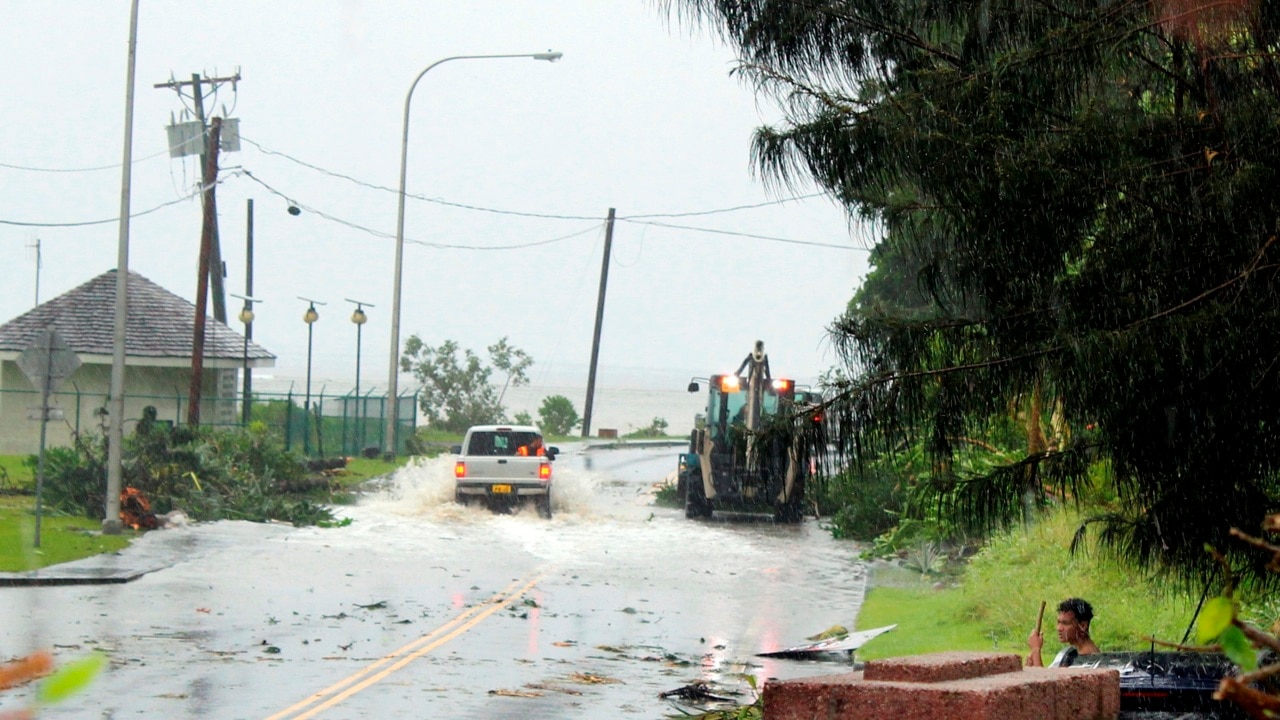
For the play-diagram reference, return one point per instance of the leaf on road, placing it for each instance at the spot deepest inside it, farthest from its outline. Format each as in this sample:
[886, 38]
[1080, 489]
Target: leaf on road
[380, 605]
[835, 631]
[553, 688]
[593, 679]
[516, 693]
[564, 643]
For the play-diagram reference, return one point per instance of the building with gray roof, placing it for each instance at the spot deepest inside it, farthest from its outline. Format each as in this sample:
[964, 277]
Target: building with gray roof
[158, 340]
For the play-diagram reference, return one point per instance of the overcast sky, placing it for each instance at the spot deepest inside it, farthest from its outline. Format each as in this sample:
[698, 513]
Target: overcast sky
[642, 114]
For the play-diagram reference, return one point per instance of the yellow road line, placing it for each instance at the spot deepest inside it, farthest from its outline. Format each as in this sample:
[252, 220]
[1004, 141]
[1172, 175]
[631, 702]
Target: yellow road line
[481, 611]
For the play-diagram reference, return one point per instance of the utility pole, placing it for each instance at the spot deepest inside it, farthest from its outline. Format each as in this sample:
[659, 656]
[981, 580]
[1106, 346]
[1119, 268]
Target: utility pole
[217, 272]
[595, 341]
[202, 283]
[212, 269]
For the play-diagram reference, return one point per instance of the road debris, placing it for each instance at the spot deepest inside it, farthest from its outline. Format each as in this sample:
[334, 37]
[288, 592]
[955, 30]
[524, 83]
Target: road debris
[698, 691]
[836, 645]
[516, 693]
[586, 678]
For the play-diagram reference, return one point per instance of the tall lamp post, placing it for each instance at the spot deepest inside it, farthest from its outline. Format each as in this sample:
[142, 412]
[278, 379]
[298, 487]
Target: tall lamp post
[394, 368]
[246, 317]
[359, 318]
[309, 317]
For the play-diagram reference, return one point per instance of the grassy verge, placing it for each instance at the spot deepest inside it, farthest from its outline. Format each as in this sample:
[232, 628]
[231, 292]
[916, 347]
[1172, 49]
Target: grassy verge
[994, 605]
[62, 539]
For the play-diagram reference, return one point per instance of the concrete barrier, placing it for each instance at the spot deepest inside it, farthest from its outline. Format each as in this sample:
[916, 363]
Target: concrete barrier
[948, 686]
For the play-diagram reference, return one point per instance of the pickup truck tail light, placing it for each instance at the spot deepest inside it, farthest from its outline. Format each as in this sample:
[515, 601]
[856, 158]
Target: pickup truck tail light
[544, 471]
[460, 469]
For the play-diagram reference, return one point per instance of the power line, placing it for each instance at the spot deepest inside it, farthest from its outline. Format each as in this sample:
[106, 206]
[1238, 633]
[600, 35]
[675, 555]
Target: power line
[519, 213]
[87, 223]
[733, 233]
[30, 168]
[735, 208]
[425, 243]
[383, 234]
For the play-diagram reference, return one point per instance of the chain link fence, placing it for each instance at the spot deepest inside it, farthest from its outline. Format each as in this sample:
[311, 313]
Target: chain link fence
[334, 425]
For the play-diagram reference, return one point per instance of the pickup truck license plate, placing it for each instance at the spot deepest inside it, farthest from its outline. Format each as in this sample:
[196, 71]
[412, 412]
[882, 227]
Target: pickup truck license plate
[501, 488]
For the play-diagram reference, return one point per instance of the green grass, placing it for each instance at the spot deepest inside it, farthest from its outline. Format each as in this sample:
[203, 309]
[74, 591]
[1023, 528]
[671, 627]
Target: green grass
[62, 539]
[361, 469]
[995, 603]
[14, 472]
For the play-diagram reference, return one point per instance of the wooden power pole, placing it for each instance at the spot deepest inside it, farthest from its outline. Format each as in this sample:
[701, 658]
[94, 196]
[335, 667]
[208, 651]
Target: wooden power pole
[202, 283]
[212, 271]
[595, 341]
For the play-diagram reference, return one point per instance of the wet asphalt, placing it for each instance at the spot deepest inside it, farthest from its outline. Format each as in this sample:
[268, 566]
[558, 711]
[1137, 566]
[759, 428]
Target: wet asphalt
[423, 608]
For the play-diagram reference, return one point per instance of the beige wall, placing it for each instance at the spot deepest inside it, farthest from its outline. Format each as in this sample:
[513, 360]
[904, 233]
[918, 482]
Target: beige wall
[85, 393]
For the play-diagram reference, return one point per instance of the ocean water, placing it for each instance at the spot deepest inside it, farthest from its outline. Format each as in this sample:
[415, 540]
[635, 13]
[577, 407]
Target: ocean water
[624, 409]
[621, 409]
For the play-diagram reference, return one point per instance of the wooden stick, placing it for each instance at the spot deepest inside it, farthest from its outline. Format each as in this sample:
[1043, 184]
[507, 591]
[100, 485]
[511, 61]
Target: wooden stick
[1040, 619]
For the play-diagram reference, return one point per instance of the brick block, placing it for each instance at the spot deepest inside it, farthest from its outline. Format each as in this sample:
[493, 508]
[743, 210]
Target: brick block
[1037, 693]
[943, 666]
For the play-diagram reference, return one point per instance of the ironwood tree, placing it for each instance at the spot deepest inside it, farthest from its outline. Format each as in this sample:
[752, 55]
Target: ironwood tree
[1084, 195]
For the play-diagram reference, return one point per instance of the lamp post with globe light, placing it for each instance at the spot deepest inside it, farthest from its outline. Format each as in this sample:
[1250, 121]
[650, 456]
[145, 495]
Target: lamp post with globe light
[309, 317]
[393, 380]
[359, 319]
[246, 317]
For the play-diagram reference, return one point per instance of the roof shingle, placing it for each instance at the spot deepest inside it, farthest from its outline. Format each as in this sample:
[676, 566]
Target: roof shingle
[160, 324]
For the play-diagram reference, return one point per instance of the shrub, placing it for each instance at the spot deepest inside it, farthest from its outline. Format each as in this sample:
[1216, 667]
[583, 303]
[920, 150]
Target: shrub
[209, 474]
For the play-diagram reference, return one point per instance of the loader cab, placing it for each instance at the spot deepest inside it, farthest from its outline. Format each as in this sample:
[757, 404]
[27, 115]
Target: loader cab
[729, 399]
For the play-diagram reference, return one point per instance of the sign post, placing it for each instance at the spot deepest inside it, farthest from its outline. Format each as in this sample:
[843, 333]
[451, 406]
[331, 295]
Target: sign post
[46, 362]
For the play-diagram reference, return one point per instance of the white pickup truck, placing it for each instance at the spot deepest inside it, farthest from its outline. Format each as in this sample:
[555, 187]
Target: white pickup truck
[504, 466]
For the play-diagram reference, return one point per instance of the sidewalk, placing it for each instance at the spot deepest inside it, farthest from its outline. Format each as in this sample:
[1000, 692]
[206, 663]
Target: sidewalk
[154, 550]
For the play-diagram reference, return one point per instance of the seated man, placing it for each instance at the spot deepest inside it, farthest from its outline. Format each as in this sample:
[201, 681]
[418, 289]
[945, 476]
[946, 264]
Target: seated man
[1074, 616]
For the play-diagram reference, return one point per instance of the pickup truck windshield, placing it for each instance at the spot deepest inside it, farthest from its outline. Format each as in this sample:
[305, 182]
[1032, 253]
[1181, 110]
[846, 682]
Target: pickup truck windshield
[504, 444]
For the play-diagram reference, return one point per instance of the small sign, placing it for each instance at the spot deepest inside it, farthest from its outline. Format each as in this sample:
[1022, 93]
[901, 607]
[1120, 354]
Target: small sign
[48, 355]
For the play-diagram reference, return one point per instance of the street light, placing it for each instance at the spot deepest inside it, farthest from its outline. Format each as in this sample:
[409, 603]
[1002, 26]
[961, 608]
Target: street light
[359, 318]
[309, 317]
[393, 381]
[246, 317]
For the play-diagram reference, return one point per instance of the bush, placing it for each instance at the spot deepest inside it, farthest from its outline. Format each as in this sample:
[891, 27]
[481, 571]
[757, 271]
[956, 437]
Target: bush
[558, 416]
[209, 474]
[656, 429]
[861, 507]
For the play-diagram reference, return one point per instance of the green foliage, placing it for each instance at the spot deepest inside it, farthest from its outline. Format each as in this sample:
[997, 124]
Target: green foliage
[1078, 204]
[71, 678]
[865, 506]
[666, 495]
[995, 604]
[522, 418]
[456, 390]
[209, 474]
[557, 415]
[511, 361]
[656, 429]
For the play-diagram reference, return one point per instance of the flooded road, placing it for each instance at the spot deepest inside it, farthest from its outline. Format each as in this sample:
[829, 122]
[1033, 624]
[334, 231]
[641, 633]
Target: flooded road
[423, 608]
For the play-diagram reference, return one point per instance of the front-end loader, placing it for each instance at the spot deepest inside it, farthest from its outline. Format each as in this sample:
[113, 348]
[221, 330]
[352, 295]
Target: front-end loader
[745, 455]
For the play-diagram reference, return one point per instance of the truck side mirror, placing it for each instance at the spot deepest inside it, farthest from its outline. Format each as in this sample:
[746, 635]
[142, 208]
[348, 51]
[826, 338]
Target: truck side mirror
[693, 387]
[455, 449]
[552, 452]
